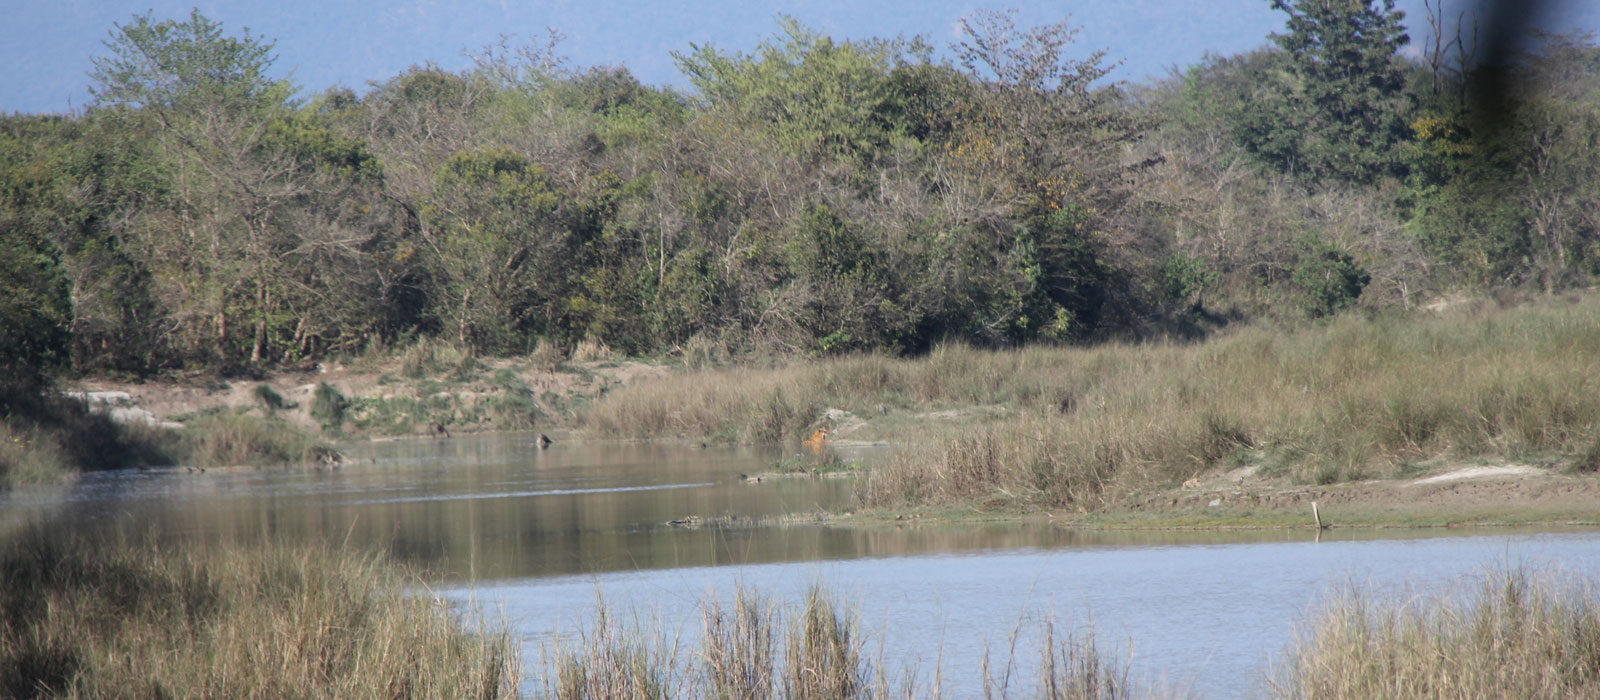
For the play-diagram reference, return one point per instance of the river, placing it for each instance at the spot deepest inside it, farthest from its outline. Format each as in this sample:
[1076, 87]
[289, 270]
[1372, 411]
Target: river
[537, 534]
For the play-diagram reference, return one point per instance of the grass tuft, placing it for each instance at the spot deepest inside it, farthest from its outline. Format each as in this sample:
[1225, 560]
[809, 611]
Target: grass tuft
[227, 438]
[1517, 638]
[756, 651]
[80, 620]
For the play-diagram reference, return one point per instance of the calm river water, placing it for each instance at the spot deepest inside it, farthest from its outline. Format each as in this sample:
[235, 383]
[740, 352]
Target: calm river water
[538, 535]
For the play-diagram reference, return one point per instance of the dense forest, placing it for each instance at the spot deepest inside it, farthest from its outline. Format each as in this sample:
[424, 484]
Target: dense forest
[813, 197]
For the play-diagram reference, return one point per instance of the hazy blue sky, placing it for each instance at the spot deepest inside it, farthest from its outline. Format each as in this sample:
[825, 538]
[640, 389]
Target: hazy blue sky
[46, 45]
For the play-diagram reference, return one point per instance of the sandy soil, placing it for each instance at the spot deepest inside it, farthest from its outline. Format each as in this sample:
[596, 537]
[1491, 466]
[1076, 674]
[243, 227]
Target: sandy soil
[1455, 495]
[177, 398]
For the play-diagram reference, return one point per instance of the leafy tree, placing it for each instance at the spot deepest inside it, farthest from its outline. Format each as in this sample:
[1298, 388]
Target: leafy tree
[171, 67]
[34, 304]
[846, 297]
[495, 250]
[216, 106]
[1516, 204]
[1338, 111]
[822, 98]
[1048, 144]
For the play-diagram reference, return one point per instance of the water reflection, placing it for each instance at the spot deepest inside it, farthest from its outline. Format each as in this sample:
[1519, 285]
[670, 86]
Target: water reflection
[497, 507]
[539, 532]
[1208, 619]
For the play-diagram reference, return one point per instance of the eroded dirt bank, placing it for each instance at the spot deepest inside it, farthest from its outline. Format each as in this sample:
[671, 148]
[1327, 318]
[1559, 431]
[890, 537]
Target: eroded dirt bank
[387, 400]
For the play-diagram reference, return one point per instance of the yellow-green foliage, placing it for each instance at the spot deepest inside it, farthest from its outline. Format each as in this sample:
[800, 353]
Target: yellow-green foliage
[93, 621]
[1518, 638]
[1353, 398]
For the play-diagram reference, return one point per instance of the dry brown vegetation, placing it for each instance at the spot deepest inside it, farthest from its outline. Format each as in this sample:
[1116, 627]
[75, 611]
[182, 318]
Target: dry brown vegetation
[120, 620]
[756, 651]
[1520, 637]
[1353, 398]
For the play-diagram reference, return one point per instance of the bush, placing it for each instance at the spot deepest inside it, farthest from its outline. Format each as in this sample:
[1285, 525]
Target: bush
[1329, 279]
[270, 398]
[328, 407]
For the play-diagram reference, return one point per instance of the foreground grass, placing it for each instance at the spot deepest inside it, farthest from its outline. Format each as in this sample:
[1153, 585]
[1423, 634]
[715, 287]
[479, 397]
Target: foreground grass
[90, 621]
[1518, 638]
[84, 621]
[1078, 427]
[755, 651]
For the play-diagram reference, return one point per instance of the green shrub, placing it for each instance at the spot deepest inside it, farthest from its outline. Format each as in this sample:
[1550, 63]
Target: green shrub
[1328, 279]
[328, 407]
[269, 397]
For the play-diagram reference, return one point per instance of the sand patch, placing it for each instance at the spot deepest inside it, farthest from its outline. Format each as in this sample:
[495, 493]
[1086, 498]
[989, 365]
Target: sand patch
[1509, 470]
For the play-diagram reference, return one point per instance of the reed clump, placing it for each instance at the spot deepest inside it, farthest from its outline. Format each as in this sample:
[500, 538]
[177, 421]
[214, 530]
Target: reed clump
[748, 653]
[1519, 637]
[756, 651]
[1353, 398]
[79, 620]
[229, 438]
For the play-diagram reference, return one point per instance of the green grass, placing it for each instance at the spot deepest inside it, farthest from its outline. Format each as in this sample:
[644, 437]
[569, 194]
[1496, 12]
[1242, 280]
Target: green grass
[1350, 399]
[825, 462]
[91, 621]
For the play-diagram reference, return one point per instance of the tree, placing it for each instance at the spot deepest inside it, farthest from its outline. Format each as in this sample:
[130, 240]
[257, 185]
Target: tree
[822, 98]
[494, 248]
[1517, 203]
[171, 67]
[34, 306]
[243, 164]
[1048, 145]
[1338, 112]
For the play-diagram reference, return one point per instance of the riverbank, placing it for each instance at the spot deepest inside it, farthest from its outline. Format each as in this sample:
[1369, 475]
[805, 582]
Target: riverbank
[1246, 429]
[1117, 430]
[1478, 496]
[429, 390]
[294, 415]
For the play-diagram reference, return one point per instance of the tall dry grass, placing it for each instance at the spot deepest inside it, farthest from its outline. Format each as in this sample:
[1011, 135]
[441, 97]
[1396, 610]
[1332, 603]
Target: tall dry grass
[1355, 398]
[95, 621]
[1358, 398]
[227, 438]
[756, 651]
[1519, 637]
